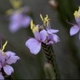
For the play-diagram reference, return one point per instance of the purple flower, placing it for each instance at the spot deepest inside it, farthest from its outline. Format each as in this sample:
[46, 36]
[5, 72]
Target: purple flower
[18, 20]
[1, 76]
[52, 37]
[34, 44]
[44, 36]
[6, 59]
[76, 28]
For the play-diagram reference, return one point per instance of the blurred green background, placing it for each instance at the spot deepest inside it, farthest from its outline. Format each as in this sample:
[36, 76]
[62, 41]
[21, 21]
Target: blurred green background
[67, 51]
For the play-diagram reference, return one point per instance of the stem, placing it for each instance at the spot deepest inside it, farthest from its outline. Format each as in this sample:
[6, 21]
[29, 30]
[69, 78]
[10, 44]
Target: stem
[51, 58]
[8, 78]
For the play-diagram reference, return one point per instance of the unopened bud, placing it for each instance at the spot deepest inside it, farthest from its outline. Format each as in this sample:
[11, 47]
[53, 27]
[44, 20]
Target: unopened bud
[53, 3]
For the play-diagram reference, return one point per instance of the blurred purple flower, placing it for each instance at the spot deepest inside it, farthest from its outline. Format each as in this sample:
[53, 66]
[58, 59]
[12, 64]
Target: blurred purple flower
[76, 28]
[18, 17]
[1, 76]
[6, 59]
[18, 20]
[44, 36]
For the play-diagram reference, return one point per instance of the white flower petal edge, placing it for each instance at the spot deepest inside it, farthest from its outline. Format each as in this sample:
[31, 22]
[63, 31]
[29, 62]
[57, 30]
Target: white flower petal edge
[34, 45]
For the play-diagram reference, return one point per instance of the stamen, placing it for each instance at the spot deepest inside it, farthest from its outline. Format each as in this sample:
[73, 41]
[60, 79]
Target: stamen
[77, 13]
[45, 19]
[79, 9]
[16, 3]
[41, 17]
[10, 11]
[32, 24]
[3, 47]
[35, 29]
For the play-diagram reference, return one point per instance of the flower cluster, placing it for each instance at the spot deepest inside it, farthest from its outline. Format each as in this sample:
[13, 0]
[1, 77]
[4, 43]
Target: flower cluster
[18, 17]
[43, 34]
[6, 59]
[76, 28]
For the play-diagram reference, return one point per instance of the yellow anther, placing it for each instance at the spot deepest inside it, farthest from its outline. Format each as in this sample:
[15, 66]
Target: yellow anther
[45, 19]
[41, 17]
[35, 29]
[79, 9]
[2, 52]
[16, 3]
[3, 47]
[77, 13]
[32, 24]
[9, 12]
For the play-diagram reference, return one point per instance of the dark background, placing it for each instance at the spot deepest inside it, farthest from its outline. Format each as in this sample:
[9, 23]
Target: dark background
[67, 51]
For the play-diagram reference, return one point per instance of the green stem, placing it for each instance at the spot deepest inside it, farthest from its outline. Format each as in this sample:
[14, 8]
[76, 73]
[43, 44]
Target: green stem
[51, 58]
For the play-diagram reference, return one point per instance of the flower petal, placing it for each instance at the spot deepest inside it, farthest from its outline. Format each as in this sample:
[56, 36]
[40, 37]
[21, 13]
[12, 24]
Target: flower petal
[55, 38]
[1, 76]
[2, 59]
[10, 53]
[74, 29]
[26, 21]
[1, 65]
[43, 35]
[8, 69]
[12, 59]
[37, 35]
[15, 16]
[33, 45]
[78, 20]
[14, 26]
[15, 22]
[49, 43]
[51, 31]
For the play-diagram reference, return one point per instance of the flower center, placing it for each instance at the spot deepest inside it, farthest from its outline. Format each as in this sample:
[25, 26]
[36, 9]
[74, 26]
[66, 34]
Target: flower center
[77, 13]
[16, 3]
[45, 20]
[34, 28]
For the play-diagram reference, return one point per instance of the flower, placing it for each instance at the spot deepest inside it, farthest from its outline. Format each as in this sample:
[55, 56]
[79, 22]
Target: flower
[6, 59]
[18, 20]
[1, 76]
[18, 17]
[76, 27]
[45, 35]
[34, 44]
